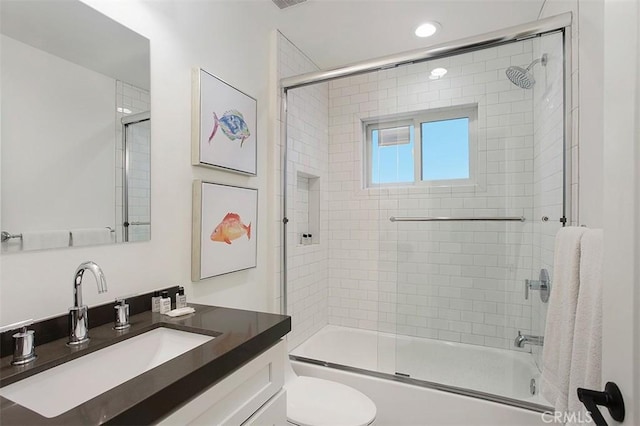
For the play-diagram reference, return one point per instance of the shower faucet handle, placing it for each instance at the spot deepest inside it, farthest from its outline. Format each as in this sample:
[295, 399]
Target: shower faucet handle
[543, 284]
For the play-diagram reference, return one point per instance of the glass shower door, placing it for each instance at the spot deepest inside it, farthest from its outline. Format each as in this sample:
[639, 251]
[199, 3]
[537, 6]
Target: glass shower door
[463, 251]
[550, 207]
[136, 188]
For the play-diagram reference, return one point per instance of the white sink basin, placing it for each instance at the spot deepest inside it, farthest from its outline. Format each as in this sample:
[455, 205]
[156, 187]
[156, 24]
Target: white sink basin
[66, 386]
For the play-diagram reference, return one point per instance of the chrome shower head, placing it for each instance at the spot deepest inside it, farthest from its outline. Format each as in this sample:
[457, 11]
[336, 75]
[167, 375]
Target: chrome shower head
[523, 77]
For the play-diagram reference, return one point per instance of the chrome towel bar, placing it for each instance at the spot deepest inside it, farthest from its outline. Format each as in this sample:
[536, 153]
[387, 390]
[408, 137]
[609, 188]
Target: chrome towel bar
[136, 223]
[454, 219]
[4, 236]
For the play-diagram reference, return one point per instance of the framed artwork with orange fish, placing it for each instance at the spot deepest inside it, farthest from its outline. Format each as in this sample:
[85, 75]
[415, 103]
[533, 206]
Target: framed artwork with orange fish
[224, 229]
[223, 125]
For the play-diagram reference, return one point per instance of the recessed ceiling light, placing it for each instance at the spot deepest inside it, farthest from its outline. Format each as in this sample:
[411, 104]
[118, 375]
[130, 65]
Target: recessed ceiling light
[124, 110]
[437, 73]
[427, 29]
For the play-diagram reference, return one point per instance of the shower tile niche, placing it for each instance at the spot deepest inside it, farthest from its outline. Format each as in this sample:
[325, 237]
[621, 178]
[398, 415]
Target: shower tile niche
[307, 209]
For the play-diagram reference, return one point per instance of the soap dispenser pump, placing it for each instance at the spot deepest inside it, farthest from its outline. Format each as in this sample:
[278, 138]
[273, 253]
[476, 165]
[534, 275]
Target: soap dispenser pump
[165, 302]
[155, 301]
[181, 299]
[122, 315]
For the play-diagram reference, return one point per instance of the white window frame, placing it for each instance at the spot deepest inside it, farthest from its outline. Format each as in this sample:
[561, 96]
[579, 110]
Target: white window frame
[416, 119]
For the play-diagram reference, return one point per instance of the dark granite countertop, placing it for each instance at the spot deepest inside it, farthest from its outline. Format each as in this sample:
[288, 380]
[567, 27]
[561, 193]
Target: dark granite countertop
[239, 337]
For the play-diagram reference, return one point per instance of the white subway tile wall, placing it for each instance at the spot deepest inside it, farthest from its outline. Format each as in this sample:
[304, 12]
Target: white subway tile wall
[455, 281]
[139, 180]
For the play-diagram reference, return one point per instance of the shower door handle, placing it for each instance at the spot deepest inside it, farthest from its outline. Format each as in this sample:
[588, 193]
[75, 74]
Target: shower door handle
[610, 398]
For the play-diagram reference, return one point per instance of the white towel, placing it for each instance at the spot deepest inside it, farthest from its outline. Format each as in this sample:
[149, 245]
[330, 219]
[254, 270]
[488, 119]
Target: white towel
[558, 335]
[38, 240]
[586, 356]
[90, 236]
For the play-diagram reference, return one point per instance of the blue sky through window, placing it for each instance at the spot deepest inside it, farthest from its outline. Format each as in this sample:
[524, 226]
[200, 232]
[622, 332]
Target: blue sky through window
[445, 149]
[392, 163]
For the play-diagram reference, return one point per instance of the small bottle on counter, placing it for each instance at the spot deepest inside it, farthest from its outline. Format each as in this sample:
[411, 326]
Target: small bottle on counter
[165, 302]
[155, 301]
[181, 299]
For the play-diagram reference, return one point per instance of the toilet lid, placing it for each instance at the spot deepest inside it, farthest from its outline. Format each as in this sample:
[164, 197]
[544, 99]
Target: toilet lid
[316, 402]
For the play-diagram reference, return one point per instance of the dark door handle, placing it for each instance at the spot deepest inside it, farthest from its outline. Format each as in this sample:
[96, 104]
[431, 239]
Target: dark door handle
[610, 398]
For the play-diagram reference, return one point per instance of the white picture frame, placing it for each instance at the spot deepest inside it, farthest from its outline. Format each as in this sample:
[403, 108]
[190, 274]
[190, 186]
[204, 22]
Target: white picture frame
[223, 125]
[224, 229]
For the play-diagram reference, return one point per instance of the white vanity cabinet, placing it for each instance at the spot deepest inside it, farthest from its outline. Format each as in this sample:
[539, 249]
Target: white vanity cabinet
[251, 395]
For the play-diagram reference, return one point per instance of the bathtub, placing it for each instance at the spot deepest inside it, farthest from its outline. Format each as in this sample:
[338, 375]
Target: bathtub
[470, 370]
[401, 404]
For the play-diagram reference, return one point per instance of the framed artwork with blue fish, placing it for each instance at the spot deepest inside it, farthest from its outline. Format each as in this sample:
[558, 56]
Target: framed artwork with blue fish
[224, 229]
[223, 125]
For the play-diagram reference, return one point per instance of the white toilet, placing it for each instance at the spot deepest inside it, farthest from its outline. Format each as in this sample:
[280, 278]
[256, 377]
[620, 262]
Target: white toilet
[318, 402]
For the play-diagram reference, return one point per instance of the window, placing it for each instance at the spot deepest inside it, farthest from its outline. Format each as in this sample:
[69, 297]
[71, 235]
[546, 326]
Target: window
[434, 146]
[392, 153]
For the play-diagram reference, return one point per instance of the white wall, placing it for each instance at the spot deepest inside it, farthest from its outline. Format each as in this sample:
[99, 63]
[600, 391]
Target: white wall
[183, 35]
[59, 142]
[591, 101]
[621, 162]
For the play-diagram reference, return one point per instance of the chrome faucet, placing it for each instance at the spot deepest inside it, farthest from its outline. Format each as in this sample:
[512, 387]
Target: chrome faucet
[523, 339]
[78, 318]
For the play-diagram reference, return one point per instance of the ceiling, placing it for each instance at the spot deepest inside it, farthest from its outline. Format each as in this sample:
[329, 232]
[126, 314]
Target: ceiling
[340, 32]
[77, 33]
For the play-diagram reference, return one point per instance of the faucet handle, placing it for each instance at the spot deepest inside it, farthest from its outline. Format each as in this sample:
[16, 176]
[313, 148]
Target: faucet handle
[24, 350]
[122, 315]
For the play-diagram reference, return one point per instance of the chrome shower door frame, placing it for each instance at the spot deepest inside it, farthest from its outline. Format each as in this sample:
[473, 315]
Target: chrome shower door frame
[552, 24]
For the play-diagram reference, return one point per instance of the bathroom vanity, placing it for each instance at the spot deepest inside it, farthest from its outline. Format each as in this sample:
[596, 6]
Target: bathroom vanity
[234, 377]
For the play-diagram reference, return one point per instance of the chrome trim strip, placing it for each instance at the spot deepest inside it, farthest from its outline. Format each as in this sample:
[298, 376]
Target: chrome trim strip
[136, 118]
[455, 219]
[284, 146]
[464, 45]
[567, 174]
[430, 385]
[125, 178]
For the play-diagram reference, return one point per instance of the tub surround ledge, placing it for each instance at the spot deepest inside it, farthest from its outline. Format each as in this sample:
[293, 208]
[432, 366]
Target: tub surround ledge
[239, 337]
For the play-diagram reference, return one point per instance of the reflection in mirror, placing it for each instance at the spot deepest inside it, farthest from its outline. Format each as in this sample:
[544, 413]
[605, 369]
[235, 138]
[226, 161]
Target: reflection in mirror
[136, 186]
[75, 146]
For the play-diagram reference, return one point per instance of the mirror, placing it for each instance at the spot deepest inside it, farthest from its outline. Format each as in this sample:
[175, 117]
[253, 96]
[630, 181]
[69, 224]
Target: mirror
[75, 147]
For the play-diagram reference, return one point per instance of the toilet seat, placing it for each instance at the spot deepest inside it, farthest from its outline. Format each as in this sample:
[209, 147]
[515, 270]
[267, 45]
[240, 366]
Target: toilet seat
[317, 402]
